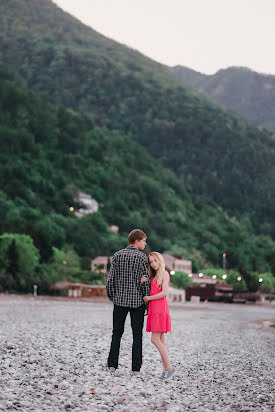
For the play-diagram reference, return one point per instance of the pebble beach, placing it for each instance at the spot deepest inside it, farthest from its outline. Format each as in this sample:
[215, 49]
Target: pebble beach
[53, 355]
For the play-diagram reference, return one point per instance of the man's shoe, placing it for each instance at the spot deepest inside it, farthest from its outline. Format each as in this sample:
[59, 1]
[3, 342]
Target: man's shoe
[111, 369]
[168, 374]
[136, 373]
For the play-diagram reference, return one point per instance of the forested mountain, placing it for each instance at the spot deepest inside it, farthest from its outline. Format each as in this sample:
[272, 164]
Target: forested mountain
[48, 152]
[244, 91]
[218, 153]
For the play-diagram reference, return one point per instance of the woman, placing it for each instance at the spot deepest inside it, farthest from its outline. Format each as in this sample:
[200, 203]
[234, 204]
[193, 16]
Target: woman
[158, 321]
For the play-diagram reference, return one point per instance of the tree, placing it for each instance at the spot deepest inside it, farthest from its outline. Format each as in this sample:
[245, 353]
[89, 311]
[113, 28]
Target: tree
[12, 264]
[268, 283]
[181, 280]
[19, 258]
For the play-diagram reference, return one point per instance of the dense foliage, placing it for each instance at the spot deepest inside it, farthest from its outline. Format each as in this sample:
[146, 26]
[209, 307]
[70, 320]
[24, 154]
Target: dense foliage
[181, 280]
[49, 152]
[248, 93]
[18, 260]
[219, 154]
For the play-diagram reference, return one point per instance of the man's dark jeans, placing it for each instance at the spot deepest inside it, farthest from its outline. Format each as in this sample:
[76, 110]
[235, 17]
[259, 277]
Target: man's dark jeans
[137, 320]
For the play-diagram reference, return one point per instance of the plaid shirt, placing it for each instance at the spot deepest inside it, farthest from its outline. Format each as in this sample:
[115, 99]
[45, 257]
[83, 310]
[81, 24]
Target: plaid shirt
[123, 285]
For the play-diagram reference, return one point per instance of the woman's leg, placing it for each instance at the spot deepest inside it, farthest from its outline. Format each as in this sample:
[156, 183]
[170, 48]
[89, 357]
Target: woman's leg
[162, 339]
[155, 339]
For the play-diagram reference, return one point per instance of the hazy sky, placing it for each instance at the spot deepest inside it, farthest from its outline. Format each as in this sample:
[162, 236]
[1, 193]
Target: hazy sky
[205, 35]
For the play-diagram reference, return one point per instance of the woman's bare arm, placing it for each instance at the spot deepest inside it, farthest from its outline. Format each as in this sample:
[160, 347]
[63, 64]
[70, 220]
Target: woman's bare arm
[165, 287]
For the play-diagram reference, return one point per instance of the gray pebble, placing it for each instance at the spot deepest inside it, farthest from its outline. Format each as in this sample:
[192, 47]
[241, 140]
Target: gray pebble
[224, 359]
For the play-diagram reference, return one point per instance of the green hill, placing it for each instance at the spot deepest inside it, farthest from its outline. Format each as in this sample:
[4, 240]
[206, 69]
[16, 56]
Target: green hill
[216, 152]
[244, 91]
[48, 152]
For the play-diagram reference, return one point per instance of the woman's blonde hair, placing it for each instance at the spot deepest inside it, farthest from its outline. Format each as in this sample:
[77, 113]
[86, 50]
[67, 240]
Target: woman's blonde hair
[157, 274]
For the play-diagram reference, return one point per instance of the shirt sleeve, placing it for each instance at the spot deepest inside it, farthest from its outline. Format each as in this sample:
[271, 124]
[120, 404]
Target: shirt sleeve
[145, 287]
[110, 287]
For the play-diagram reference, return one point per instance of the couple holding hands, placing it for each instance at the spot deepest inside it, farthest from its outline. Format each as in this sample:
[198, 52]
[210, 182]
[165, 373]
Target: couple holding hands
[139, 285]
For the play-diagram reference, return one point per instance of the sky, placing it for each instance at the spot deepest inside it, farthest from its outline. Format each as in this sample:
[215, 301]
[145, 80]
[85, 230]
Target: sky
[204, 35]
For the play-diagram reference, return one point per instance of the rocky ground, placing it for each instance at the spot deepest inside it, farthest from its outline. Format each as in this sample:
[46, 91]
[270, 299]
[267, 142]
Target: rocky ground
[53, 354]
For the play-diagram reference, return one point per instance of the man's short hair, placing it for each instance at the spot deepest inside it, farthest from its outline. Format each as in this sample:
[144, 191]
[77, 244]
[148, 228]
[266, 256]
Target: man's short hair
[136, 234]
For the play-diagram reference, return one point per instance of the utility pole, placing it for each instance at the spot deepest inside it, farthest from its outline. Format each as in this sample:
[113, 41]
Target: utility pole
[224, 261]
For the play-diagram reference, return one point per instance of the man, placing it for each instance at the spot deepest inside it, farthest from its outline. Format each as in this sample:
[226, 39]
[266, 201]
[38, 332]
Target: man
[125, 290]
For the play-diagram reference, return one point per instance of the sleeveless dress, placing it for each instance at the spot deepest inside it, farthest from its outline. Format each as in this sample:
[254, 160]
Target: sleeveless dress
[158, 319]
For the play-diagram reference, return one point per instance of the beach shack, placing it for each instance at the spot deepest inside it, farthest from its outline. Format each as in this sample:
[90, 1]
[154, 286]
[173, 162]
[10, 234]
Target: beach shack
[79, 290]
[207, 288]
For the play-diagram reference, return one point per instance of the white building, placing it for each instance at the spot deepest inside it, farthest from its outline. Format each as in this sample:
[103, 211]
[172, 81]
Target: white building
[177, 264]
[89, 205]
[176, 295]
[100, 264]
[113, 228]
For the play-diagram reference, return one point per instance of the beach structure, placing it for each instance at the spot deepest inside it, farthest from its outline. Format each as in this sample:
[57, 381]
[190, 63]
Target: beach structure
[79, 290]
[208, 288]
[176, 295]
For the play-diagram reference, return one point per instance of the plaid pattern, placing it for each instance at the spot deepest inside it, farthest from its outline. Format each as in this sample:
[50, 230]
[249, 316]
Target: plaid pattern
[123, 285]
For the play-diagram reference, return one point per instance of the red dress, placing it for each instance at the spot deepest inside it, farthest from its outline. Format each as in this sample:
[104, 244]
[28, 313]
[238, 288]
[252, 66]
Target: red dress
[158, 319]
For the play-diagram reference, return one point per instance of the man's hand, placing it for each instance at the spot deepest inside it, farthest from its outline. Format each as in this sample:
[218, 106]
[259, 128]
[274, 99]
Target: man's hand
[143, 279]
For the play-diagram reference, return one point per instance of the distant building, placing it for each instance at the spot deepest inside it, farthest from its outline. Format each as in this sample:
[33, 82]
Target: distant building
[62, 284]
[176, 295]
[89, 205]
[177, 263]
[100, 264]
[113, 228]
